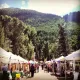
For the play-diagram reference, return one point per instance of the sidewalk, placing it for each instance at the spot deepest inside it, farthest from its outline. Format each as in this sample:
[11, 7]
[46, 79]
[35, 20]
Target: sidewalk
[42, 76]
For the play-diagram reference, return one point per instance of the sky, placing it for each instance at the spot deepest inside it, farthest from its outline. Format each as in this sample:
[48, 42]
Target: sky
[58, 7]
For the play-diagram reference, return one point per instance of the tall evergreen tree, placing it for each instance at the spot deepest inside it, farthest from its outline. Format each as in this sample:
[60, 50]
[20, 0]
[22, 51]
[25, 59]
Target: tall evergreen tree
[78, 37]
[63, 46]
[2, 37]
[46, 51]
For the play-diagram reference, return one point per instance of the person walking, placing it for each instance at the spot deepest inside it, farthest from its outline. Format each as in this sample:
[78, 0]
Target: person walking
[42, 65]
[76, 73]
[32, 69]
[37, 66]
[55, 68]
[5, 75]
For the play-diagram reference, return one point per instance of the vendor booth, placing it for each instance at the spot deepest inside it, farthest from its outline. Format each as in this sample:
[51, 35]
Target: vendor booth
[11, 60]
[74, 58]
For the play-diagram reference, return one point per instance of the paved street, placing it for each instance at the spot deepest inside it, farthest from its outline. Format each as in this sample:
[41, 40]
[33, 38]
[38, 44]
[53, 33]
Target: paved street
[42, 76]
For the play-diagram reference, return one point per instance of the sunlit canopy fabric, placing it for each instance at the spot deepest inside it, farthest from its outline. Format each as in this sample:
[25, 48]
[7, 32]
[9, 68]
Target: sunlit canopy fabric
[9, 57]
[4, 56]
[32, 62]
[73, 56]
[17, 59]
[4, 60]
[62, 58]
[13, 59]
[22, 60]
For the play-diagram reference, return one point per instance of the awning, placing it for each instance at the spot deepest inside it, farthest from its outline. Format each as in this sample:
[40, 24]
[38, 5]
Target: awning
[73, 56]
[62, 58]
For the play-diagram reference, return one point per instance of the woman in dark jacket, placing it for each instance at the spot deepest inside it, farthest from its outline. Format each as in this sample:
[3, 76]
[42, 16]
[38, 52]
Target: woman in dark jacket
[32, 69]
[5, 75]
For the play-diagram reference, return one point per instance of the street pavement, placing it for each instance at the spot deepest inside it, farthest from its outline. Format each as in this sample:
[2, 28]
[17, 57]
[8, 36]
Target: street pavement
[42, 76]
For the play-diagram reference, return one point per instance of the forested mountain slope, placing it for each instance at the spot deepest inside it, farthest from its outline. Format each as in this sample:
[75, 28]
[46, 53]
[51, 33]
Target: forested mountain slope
[44, 40]
[73, 17]
[31, 17]
[46, 24]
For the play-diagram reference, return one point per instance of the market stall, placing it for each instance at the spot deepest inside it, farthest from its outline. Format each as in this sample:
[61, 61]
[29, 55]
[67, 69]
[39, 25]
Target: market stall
[74, 57]
[71, 59]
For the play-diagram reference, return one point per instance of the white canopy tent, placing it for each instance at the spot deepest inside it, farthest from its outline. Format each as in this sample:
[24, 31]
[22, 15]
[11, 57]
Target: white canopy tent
[17, 59]
[73, 56]
[62, 58]
[22, 60]
[31, 62]
[4, 56]
[9, 57]
[13, 59]
[4, 53]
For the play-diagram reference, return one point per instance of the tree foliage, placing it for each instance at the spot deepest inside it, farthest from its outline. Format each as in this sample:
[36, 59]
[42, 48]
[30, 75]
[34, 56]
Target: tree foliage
[14, 38]
[37, 33]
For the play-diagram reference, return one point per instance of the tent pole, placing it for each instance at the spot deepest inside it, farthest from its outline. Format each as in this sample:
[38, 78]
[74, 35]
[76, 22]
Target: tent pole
[73, 65]
[65, 69]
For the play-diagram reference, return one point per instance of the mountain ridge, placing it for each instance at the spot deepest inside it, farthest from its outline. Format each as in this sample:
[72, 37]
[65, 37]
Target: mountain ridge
[30, 17]
[72, 17]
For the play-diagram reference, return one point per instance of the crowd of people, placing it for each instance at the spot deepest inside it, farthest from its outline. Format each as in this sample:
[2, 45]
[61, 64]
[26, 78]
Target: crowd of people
[17, 74]
[57, 68]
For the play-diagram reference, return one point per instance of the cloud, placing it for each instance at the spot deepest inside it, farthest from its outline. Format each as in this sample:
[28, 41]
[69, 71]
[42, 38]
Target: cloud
[4, 6]
[59, 7]
[23, 2]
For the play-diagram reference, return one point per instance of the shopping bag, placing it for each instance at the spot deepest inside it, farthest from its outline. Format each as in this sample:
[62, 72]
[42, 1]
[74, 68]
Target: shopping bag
[10, 76]
[18, 75]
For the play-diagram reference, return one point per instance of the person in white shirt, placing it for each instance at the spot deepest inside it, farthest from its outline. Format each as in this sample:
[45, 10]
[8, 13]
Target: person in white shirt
[76, 73]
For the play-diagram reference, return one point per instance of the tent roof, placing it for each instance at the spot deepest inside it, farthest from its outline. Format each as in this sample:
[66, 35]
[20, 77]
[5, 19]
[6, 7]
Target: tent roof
[62, 58]
[73, 56]
[22, 59]
[4, 53]
[9, 57]
[4, 56]
[31, 61]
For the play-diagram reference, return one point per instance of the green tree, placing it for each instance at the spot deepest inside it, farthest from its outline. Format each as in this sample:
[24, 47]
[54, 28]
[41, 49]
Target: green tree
[2, 37]
[63, 46]
[78, 36]
[46, 51]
